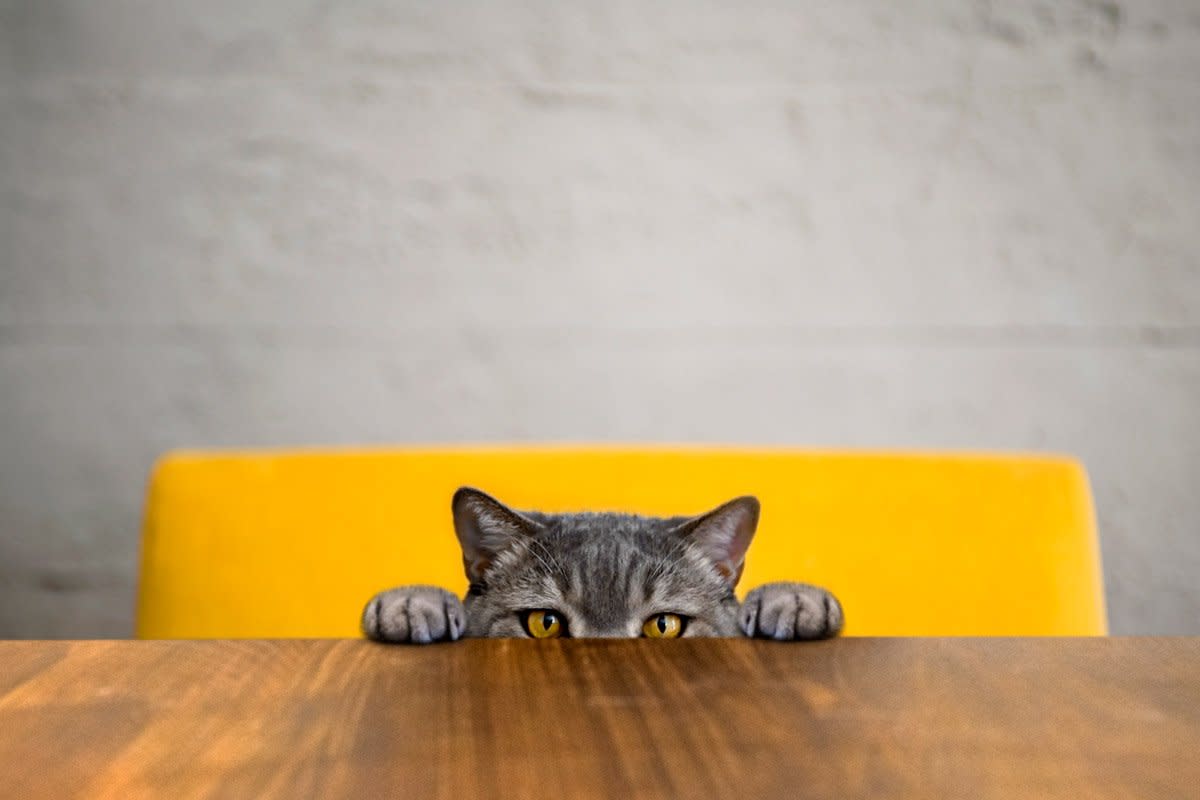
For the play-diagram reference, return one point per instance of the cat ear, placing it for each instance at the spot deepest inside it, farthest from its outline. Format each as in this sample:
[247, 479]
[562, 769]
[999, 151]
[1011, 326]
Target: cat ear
[724, 534]
[485, 527]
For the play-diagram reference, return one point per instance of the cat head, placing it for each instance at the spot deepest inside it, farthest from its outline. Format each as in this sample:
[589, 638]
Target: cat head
[601, 574]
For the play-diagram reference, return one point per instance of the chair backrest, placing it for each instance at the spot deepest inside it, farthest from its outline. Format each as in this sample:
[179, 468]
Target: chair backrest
[284, 544]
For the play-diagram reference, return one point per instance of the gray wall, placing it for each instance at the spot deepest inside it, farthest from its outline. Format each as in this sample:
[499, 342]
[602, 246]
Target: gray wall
[965, 225]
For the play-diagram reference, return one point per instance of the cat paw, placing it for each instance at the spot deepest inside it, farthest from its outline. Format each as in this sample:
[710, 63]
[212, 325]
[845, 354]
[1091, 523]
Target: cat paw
[416, 614]
[790, 611]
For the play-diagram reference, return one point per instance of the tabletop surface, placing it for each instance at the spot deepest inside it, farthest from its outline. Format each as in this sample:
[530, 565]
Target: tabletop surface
[980, 718]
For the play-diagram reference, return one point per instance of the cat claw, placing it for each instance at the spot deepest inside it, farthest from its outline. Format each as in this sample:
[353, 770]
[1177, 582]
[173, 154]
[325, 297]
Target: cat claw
[791, 611]
[414, 614]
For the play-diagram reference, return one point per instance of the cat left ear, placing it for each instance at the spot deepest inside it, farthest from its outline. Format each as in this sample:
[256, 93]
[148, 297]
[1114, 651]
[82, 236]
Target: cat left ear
[485, 527]
[724, 534]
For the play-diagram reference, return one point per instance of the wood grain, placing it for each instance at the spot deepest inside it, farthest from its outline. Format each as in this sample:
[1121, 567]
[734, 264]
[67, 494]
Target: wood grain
[900, 718]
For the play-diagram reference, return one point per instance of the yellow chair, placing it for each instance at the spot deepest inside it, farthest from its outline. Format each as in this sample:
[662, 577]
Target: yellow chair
[284, 544]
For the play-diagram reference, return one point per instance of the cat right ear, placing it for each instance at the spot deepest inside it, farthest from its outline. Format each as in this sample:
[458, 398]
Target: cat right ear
[485, 527]
[723, 535]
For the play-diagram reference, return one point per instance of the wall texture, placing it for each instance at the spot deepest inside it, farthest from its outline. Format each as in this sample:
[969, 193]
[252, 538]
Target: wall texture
[944, 224]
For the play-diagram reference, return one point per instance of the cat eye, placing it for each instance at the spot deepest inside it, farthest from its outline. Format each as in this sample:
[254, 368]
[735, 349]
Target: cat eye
[663, 626]
[544, 624]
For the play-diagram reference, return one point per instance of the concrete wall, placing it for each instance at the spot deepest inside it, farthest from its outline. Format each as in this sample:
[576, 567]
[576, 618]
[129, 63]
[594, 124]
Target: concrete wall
[951, 224]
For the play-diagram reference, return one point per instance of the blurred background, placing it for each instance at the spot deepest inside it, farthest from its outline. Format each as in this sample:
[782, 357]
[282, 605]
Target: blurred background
[853, 224]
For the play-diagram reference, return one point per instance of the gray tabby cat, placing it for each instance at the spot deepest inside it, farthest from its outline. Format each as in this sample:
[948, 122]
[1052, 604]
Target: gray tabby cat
[601, 575]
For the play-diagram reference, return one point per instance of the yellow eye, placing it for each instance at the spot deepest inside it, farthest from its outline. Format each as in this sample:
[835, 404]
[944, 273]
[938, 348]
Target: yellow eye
[544, 624]
[663, 626]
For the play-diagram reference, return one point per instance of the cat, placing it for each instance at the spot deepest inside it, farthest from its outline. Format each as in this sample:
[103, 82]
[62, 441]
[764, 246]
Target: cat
[601, 575]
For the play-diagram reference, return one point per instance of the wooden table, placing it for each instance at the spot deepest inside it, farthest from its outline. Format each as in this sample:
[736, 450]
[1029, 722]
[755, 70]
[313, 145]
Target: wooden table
[1012, 718]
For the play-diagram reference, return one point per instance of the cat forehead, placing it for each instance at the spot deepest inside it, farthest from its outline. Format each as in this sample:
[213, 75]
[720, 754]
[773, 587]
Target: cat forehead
[605, 535]
[613, 550]
[604, 522]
